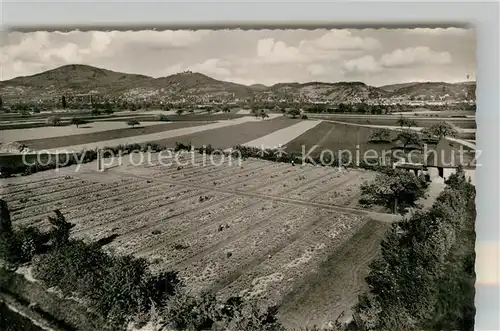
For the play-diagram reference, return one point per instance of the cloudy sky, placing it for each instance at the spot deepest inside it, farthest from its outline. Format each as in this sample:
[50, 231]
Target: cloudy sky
[374, 56]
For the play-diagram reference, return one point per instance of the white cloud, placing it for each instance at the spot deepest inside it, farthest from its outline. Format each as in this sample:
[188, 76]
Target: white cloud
[365, 64]
[48, 50]
[342, 40]
[212, 67]
[438, 31]
[271, 51]
[260, 56]
[420, 55]
[330, 46]
[316, 69]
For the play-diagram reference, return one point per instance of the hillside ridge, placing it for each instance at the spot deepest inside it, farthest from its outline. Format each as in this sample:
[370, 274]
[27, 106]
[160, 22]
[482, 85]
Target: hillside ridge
[74, 79]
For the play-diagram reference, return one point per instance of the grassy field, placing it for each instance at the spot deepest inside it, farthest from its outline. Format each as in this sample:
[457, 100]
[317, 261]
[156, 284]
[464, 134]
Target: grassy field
[255, 228]
[232, 135]
[77, 139]
[391, 120]
[336, 137]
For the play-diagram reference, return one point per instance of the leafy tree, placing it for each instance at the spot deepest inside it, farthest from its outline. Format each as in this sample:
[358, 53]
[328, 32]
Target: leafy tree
[405, 122]
[63, 102]
[381, 135]
[254, 111]
[54, 120]
[78, 121]
[108, 109]
[395, 189]
[440, 130]
[133, 122]
[423, 261]
[344, 108]
[294, 112]
[163, 118]
[409, 137]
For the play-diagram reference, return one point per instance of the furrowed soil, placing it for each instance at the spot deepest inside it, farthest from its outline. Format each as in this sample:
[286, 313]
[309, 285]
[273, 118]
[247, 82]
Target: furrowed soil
[284, 234]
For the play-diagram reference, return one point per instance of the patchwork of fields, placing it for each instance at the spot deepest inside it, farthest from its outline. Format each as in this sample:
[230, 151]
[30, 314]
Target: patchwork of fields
[255, 228]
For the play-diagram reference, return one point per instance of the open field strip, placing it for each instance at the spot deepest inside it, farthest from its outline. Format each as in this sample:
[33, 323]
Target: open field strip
[346, 193]
[215, 171]
[339, 279]
[90, 203]
[135, 226]
[158, 136]
[391, 119]
[293, 257]
[235, 214]
[81, 137]
[37, 211]
[249, 221]
[141, 215]
[145, 241]
[307, 179]
[264, 223]
[60, 131]
[240, 133]
[283, 136]
[42, 194]
[417, 128]
[131, 187]
[244, 111]
[38, 188]
[209, 270]
[333, 181]
[266, 184]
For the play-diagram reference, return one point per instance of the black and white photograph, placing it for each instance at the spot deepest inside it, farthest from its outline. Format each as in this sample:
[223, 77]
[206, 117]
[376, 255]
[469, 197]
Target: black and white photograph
[238, 179]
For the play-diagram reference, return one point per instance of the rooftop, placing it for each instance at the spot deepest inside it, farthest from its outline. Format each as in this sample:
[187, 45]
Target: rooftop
[449, 154]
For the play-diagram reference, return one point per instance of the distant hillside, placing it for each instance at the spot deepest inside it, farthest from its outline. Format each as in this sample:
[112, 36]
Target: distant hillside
[343, 91]
[436, 91]
[73, 78]
[83, 79]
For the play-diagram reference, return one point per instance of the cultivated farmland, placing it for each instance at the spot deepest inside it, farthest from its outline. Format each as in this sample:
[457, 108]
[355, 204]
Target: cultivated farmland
[254, 228]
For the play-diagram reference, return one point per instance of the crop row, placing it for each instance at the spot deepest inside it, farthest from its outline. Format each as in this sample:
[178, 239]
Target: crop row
[273, 278]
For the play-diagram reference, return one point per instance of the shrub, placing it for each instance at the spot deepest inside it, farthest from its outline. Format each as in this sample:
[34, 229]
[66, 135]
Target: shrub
[182, 147]
[20, 246]
[117, 288]
[162, 117]
[54, 120]
[78, 121]
[133, 122]
[304, 117]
